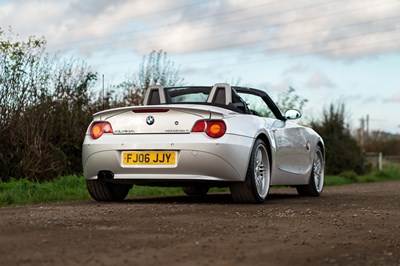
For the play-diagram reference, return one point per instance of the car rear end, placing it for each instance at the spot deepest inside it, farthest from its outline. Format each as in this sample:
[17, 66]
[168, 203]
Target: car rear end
[165, 144]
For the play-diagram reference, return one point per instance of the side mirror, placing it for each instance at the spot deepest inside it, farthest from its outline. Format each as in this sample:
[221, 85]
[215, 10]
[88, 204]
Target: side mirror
[292, 114]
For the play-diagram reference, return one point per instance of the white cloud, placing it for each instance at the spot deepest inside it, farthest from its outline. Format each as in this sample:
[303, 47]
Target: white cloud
[278, 87]
[298, 68]
[355, 29]
[373, 99]
[319, 80]
[395, 97]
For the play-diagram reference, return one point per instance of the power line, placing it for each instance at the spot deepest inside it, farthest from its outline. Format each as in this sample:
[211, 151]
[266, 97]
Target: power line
[291, 36]
[233, 33]
[259, 41]
[169, 24]
[278, 48]
[314, 52]
[144, 15]
[201, 18]
[262, 60]
[304, 44]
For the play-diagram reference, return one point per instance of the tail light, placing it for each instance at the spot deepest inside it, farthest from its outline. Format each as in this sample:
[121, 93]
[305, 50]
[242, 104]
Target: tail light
[99, 128]
[213, 128]
[200, 126]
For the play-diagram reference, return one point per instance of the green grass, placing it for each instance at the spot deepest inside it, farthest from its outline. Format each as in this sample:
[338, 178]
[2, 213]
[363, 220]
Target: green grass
[73, 188]
[390, 172]
[19, 192]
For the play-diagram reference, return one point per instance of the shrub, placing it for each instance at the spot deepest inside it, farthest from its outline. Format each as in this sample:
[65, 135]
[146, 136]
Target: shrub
[350, 175]
[342, 151]
[45, 108]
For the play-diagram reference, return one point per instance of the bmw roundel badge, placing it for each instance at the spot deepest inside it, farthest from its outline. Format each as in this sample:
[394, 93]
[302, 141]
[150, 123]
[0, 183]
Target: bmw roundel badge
[150, 120]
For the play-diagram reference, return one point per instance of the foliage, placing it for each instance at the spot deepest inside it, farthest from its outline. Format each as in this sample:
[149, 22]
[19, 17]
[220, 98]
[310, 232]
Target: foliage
[350, 175]
[286, 100]
[383, 142]
[342, 150]
[44, 108]
[46, 105]
[290, 100]
[155, 69]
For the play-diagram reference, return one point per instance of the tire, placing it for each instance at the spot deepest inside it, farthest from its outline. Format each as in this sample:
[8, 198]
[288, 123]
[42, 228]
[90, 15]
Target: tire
[316, 184]
[195, 191]
[255, 188]
[106, 191]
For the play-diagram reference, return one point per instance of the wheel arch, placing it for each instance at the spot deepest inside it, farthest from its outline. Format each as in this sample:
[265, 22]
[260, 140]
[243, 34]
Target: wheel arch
[322, 146]
[267, 142]
[314, 189]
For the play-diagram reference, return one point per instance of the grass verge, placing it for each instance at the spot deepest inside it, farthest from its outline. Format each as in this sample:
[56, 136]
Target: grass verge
[20, 192]
[73, 188]
[389, 172]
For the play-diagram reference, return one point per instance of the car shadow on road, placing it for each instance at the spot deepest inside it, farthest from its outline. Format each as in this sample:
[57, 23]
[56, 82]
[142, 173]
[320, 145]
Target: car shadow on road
[216, 198]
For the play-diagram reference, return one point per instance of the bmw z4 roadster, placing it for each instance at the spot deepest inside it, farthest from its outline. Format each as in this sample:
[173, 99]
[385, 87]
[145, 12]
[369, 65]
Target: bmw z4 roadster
[199, 137]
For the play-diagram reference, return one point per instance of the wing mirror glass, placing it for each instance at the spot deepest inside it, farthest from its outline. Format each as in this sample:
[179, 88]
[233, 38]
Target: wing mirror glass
[292, 114]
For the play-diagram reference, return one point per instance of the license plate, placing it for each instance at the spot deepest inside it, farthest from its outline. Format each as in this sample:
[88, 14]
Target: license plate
[148, 157]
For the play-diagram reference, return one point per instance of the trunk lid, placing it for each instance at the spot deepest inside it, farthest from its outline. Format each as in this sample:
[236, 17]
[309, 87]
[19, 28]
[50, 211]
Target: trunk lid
[161, 119]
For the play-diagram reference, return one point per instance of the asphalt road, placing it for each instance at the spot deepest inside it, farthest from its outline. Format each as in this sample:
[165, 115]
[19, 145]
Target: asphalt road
[348, 225]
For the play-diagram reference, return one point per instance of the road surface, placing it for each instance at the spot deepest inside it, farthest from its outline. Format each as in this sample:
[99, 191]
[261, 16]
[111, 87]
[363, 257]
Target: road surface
[348, 225]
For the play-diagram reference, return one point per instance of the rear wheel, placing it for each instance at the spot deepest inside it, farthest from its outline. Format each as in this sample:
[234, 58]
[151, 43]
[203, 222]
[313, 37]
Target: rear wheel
[106, 191]
[256, 185]
[316, 184]
[195, 191]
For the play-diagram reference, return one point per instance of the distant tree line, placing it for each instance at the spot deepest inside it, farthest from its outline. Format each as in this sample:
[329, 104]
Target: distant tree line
[378, 141]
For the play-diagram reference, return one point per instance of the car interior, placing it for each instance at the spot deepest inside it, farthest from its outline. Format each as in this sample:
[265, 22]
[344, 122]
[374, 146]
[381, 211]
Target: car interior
[220, 95]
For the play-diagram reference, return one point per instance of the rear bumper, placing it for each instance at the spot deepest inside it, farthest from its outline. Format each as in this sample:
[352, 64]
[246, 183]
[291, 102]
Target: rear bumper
[199, 158]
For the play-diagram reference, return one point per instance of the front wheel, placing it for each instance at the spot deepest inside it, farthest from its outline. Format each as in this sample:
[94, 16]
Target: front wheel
[316, 184]
[106, 191]
[256, 185]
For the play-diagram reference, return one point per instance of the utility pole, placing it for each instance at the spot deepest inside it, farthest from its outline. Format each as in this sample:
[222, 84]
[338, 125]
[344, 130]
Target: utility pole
[362, 131]
[103, 91]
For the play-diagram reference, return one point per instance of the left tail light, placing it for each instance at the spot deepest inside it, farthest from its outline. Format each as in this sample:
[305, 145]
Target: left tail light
[99, 128]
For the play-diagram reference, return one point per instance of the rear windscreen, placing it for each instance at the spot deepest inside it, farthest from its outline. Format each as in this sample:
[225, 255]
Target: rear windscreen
[187, 94]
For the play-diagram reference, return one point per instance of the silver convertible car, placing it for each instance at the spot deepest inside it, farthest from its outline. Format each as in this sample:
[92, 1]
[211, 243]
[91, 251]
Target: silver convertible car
[200, 137]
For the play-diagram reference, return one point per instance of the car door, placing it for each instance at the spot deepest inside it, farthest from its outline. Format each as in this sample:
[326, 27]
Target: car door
[292, 148]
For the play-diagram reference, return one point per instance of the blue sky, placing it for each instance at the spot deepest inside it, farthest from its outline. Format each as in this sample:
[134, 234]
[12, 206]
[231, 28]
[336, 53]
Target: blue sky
[329, 51]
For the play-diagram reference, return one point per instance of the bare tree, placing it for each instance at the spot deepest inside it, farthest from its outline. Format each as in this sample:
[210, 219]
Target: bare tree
[155, 69]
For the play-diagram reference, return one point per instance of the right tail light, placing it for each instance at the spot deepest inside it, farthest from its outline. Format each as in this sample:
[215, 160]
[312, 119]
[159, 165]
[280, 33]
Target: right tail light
[213, 128]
